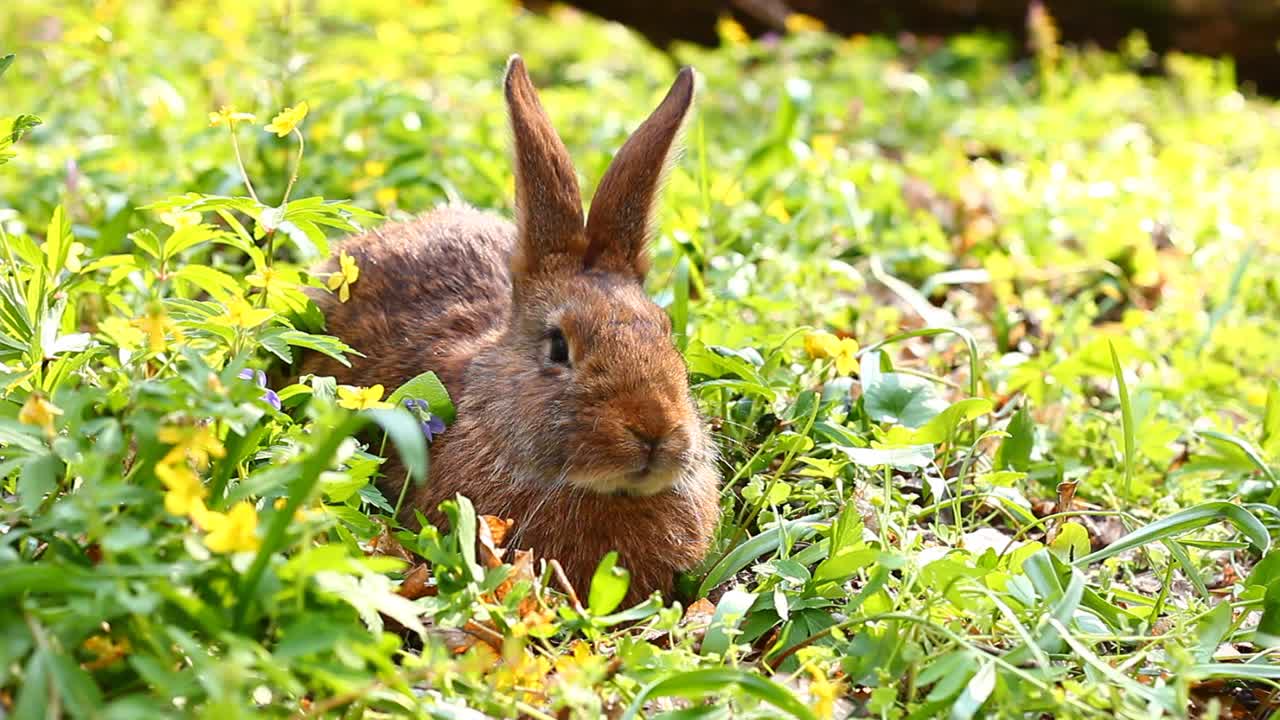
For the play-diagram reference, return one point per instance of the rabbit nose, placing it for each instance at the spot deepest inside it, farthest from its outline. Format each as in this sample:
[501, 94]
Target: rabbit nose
[649, 440]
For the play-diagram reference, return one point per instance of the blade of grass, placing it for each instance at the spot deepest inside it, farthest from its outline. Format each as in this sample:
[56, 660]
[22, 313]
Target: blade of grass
[1184, 521]
[1126, 418]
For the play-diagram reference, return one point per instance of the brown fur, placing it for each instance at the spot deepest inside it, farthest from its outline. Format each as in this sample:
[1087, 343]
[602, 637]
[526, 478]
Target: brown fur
[606, 453]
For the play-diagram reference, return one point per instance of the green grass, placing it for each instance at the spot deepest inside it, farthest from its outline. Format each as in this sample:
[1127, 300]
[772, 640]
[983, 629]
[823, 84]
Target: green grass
[1045, 486]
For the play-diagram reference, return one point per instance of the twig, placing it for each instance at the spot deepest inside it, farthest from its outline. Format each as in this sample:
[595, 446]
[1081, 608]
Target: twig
[489, 636]
[565, 585]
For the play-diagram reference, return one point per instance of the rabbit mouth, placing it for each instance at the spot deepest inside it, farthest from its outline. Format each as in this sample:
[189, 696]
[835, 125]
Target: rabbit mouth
[643, 482]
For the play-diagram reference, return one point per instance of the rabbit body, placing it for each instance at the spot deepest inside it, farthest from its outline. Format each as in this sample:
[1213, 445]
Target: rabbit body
[574, 417]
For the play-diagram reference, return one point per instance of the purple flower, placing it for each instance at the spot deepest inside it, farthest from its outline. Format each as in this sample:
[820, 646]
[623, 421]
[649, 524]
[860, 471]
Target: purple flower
[269, 396]
[432, 425]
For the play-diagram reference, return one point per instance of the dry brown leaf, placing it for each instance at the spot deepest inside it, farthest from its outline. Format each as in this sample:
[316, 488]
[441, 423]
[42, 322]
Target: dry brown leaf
[490, 534]
[385, 543]
[418, 583]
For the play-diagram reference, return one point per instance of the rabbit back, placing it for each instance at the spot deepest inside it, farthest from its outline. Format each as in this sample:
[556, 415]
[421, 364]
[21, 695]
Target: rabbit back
[431, 292]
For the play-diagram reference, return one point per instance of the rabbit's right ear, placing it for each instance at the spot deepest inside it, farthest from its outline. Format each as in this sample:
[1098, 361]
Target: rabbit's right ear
[548, 202]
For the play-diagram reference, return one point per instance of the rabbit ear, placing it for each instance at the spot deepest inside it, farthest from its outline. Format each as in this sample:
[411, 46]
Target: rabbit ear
[621, 219]
[548, 203]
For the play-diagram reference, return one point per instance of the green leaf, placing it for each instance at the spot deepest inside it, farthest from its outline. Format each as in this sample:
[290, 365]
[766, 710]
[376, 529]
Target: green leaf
[943, 426]
[608, 585]
[743, 555]
[429, 388]
[1271, 418]
[1263, 670]
[976, 692]
[406, 434]
[904, 457]
[325, 344]
[1072, 542]
[1192, 518]
[720, 681]
[5, 62]
[39, 478]
[1015, 451]
[76, 688]
[1212, 630]
[903, 399]
[1126, 418]
[730, 612]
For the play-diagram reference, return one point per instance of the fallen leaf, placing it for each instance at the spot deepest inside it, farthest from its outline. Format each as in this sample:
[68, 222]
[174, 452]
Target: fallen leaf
[417, 583]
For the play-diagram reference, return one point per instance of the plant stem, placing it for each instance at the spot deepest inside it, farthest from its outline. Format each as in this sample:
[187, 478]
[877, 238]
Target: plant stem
[244, 174]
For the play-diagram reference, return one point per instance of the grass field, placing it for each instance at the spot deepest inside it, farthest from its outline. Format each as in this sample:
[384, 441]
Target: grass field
[989, 348]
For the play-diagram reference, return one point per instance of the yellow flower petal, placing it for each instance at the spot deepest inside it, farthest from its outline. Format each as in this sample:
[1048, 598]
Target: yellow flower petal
[288, 119]
[235, 531]
[39, 411]
[821, 345]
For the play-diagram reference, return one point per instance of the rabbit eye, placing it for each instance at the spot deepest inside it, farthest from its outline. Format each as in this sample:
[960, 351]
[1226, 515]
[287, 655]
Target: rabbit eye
[559, 347]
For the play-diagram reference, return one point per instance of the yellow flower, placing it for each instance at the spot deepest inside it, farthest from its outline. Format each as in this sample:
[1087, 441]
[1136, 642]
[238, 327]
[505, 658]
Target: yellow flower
[185, 491]
[354, 398]
[348, 273]
[527, 676]
[579, 662]
[825, 345]
[731, 31]
[824, 146]
[821, 345]
[105, 650]
[234, 531]
[228, 116]
[824, 693]
[386, 197]
[270, 280]
[778, 211]
[120, 332]
[299, 514]
[156, 324]
[798, 23]
[285, 122]
[241, 314]
[189, 442]
[727, 190]
[39, 411]
[375, 168]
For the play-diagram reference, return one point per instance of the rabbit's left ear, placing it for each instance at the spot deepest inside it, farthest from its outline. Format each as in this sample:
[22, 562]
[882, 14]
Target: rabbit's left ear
[621, 219]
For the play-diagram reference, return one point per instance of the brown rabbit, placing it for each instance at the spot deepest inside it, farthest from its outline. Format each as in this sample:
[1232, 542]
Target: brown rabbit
[574, 413]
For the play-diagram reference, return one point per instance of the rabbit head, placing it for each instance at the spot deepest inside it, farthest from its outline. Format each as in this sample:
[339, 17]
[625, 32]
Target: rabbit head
[587, 382]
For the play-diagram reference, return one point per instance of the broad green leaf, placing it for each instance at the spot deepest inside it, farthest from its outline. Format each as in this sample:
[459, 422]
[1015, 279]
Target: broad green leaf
[743, 555]
[405, 433]
[427, 387]
[1072, 542]
[976, 692]
[903, 399]
[1015, 450]
[608, 585]
[730, 612]
[39, 478]
[1212, 630]
[904, 457]
[943, 426]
